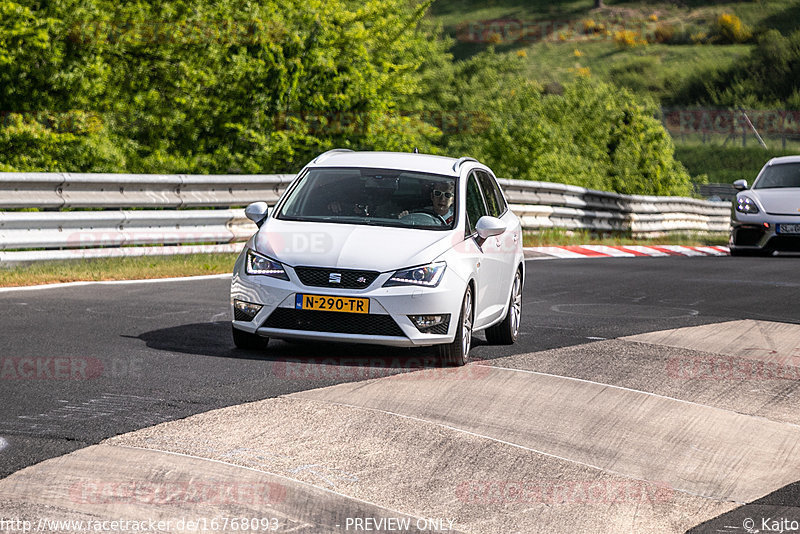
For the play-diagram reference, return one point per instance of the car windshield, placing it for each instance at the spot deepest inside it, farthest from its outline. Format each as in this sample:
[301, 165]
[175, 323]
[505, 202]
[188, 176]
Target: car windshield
[779, 176]
[375, 197]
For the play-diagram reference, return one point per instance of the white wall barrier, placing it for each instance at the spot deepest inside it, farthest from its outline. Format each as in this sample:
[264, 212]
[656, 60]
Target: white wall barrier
[107, 230]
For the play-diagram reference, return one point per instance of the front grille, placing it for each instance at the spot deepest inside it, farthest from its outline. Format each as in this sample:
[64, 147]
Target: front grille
[747, 236]
[320, 277]
[338, 322]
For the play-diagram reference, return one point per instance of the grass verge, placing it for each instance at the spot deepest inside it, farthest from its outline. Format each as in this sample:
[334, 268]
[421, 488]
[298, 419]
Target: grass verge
[131, 268]
[140, 268]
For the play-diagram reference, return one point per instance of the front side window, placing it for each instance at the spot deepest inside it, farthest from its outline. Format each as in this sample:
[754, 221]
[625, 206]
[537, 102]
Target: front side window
[375, 197]
[779, 176]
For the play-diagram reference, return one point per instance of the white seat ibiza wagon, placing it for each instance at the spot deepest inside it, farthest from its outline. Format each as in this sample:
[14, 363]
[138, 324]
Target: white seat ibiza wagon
[385, 248]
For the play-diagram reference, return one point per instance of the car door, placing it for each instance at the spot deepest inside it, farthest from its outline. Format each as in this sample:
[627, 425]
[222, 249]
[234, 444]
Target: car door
[506, 245]
[489, 299]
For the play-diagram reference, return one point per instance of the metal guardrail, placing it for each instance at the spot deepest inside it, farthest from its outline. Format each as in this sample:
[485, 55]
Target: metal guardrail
[92, 229]
[75, 190]
[543, 205]
[113, 232]
[723, 192]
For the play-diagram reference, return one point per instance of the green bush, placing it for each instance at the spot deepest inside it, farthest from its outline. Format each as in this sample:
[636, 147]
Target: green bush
[228, 86]
[587, 133]
[213, 86]
[640, 74]
[55, 142]
[766, 78]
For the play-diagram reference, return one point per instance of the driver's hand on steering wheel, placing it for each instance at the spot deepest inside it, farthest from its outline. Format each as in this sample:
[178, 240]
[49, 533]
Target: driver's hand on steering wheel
[334, 207]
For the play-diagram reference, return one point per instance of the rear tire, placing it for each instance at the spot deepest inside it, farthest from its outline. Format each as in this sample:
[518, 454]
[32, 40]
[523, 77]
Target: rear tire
[457, 352]
[248, 341]
[507, 331]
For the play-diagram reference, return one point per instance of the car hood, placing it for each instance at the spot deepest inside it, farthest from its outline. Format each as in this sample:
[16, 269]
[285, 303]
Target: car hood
[783, 201]
[349, 246]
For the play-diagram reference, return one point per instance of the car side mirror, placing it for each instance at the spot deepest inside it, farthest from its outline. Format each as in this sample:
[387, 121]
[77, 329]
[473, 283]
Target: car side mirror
[257, 212]
[741, 185]
[488, 227]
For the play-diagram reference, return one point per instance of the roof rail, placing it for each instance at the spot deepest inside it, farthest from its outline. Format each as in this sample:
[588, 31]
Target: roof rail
[461, 161]
[325, 155]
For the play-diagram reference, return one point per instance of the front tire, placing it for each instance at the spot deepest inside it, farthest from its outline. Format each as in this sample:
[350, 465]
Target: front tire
[248, 341]
[507, 331]
[457, 352]
[750, 252]
[741, 252]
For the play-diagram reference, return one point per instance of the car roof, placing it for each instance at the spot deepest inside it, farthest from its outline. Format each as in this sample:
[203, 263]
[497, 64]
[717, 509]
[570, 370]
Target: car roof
[784, 159]
[388, 160]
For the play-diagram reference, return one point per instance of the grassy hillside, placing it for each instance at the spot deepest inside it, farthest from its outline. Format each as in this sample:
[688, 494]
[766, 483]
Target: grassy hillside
[558, 37]
[661, 50]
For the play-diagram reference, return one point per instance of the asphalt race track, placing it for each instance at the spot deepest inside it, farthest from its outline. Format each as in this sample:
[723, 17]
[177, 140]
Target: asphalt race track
[644, 395]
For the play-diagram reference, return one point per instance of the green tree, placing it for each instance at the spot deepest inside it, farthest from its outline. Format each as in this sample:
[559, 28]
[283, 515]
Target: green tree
[46, 87]
[219, 86]
[585, 133]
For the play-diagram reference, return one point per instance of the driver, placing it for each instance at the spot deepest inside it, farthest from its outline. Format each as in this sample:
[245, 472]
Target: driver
[442, 196]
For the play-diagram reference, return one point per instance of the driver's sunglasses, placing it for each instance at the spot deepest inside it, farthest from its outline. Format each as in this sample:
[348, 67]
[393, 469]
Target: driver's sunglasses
[447, 194]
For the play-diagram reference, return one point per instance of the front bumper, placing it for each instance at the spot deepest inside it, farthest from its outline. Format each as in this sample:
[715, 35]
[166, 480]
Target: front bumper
[758, 233]
[394, 304]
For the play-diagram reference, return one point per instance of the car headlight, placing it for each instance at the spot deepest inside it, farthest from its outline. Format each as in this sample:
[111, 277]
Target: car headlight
[425, 275]
[746, 205]
[258, 264]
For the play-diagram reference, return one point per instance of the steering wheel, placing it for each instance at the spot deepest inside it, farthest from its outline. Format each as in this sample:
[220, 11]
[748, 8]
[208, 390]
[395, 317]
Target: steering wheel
[424, 211]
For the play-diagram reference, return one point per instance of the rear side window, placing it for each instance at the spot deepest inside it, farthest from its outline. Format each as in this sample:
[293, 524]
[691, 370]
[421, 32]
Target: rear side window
[492, 194]
[475, 206]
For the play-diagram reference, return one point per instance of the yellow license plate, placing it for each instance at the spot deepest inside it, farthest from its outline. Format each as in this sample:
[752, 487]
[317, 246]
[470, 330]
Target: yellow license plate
[327, 303]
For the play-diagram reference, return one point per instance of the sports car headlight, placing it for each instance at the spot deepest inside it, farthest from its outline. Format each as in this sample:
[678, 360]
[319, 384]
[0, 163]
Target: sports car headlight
[746, 205]
[258, 264]
[425, 275]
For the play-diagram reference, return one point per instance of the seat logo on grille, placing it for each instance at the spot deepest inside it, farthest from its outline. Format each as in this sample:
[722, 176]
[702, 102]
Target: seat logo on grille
[335, 278]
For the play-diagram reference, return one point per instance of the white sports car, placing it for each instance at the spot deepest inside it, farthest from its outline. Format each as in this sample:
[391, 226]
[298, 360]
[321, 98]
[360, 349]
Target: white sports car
[386, 248]
[766, 218]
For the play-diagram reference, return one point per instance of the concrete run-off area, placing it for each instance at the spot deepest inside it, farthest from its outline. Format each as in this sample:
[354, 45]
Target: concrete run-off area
[663, 437]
